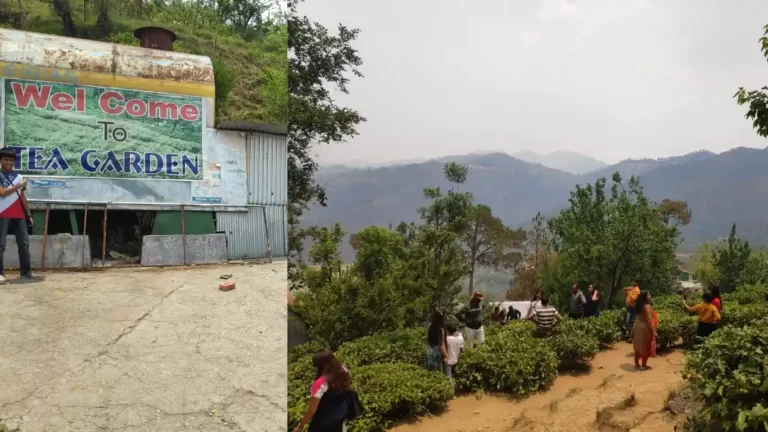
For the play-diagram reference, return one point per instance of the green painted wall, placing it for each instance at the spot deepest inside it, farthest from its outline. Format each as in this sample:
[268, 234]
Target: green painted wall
[169, 223]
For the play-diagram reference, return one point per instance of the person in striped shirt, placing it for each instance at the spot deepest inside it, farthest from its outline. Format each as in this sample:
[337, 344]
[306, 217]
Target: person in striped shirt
[545, 318]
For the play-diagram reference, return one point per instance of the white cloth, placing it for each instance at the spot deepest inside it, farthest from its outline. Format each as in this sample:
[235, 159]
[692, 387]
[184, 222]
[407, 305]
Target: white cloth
[455, 345]
[535, 305]
[473, 335]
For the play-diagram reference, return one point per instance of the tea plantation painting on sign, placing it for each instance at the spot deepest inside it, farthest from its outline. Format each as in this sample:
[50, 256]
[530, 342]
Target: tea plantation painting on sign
[82, 131]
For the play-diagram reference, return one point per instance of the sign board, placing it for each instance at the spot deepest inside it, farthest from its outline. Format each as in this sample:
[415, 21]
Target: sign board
[66, 130]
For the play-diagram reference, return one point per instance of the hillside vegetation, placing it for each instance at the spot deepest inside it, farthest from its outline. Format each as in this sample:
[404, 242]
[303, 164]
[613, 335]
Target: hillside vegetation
[245, 39]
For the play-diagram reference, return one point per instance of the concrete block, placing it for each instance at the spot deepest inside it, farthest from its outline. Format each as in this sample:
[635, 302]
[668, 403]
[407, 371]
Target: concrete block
[61, 251]
[167, 250]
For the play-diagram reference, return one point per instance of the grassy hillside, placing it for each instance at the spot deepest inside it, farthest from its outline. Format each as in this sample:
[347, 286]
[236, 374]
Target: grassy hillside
[251, 69]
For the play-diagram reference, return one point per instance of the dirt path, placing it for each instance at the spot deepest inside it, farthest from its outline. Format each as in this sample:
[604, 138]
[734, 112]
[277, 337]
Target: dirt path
[613, 397]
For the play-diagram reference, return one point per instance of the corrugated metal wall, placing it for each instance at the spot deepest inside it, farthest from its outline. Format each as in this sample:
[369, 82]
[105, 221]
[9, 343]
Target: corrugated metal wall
[246, 233]
[268, 188]
[267, 169]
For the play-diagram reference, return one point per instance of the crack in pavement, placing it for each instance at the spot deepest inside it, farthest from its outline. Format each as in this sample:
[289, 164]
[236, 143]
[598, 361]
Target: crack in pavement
[109, 344]
[128, 330]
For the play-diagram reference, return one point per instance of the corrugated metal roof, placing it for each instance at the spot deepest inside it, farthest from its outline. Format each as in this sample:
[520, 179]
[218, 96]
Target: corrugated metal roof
[250, 126]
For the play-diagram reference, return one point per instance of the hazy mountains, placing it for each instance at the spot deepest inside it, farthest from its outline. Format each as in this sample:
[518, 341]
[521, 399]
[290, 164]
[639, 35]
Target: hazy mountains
[720, 189]
[569, 162]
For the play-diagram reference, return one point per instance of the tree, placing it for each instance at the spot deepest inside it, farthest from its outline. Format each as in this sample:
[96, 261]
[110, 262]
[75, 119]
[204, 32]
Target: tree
[756, 100]
[64, 11]
[325, 250]
[611, 239]
[731, 261]
[675, 210]
[703, 265]
[490, 243]
[537, 256]
[317, 60]
[445, 222]
[756, 270]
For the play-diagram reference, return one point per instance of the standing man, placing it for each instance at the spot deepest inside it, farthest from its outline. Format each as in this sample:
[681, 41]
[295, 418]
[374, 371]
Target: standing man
[545, 318]
[631, 295]
[576, 306]
[14, 213]
[472, 318]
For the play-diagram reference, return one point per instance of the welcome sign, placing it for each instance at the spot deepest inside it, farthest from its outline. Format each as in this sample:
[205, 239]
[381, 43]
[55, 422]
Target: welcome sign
[68, 130]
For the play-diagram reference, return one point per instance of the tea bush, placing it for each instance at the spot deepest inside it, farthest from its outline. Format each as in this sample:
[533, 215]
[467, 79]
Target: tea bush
[747, 295]
[674, 327]
[394, 392]
[573, 347]
[510, 361]
[729, 372]
[388, 392]
[401, 346]
[605, 330]
[303, 350]
[737, 315]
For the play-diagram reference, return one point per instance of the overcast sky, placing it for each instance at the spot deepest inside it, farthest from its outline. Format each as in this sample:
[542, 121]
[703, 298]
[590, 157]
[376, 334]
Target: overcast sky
[609, 79]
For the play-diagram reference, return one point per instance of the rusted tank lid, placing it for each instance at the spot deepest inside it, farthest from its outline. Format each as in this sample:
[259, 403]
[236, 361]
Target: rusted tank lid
[155, 38]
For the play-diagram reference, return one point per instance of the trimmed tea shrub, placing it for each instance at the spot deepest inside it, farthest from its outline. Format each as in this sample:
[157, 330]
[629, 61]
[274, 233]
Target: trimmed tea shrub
[606, 330]
[388, 393]
[395, 392]
[303, 350]
[729, 372]
[511, 361]
[573, 348]
[401, 346]
[674, 327]
[737, 315]
[747, 295]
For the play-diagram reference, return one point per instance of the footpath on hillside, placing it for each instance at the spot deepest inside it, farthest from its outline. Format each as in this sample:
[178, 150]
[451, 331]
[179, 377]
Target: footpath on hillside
[612, 397]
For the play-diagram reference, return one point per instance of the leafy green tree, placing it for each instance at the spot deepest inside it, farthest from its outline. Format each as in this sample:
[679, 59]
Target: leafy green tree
[445, 222]
[325, 250]
[490, 243]
[317, 60]
[731, 261]
[610, 239]
[703, 265]
[756, 100]
[756, 270]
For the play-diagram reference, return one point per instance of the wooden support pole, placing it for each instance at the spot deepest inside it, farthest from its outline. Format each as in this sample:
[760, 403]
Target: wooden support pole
[266, 231]
[183, 235]
[45, 235]
[104, 238]
[84, 234]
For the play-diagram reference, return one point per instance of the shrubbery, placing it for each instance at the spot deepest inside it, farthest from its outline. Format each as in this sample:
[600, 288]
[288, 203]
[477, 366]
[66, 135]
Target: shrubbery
[401, 346]
[729, 372]
[387, 368]
[511, 361]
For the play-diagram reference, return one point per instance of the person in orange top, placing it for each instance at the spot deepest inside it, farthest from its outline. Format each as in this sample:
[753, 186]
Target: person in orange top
[709, 316]
[631, 294]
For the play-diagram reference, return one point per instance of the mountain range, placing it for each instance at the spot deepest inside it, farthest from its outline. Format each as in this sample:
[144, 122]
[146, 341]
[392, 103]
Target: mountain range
[721, 189]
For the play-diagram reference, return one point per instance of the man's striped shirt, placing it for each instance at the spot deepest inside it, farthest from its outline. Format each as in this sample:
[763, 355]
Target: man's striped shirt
[545, 317]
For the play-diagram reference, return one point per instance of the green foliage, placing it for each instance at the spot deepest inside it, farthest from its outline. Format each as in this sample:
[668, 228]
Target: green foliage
[402, 346]
[394, 392]
[305, 350]
[573, 347]
[224, 80]
[318, 61]
[490, 243]
[388, 393]
[609, 238]
[703, 265]
[747, 295]
[740, 316]
[756, 100]
[731, 261]
[512, 361]
[674, 327]
[729, 372]
[604, 330]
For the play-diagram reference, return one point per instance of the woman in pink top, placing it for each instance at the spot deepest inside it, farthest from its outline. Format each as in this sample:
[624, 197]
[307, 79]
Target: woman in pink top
[329, 401]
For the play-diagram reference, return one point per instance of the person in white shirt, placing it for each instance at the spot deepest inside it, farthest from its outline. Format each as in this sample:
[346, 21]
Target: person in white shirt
[455, 346]
[535, 304]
